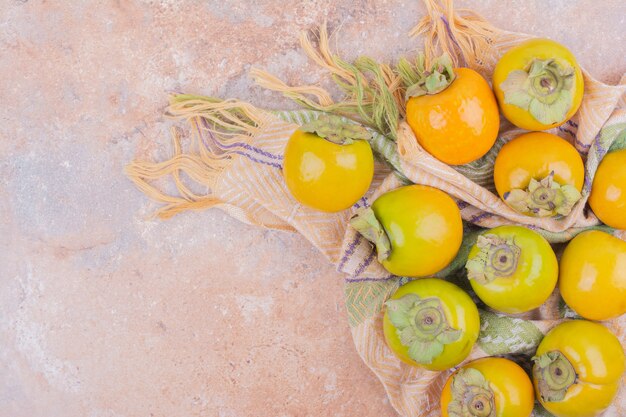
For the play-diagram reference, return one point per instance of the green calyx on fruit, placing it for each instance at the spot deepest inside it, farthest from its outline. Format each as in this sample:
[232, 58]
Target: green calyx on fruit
[434, 81]
[545, 89]
[554, 374]
[422, 326]
[334, 129]
[366, 223]
[544, 198]
[498, 258]
[471, 395]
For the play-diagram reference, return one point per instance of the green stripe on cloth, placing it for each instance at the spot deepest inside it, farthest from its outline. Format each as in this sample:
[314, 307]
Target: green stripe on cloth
[539, 411]
[561, 237]
[480, 171]
[619, 132]
[500, 335]
[366, 299]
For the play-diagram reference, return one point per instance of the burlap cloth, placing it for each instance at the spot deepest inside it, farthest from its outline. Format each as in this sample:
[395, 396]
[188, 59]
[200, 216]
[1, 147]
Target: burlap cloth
[235, 155]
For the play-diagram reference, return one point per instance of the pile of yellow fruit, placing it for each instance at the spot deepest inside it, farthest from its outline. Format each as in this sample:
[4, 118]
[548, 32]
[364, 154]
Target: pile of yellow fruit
[417, 231]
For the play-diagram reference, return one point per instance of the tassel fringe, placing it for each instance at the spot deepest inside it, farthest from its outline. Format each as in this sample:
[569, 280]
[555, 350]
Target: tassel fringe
[466, 36]
[219, 129]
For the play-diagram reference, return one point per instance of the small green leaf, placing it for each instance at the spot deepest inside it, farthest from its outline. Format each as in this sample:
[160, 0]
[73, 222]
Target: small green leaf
[366, 223]
[336, 130]
[407, 335]
[416, 90]
[514, 88]
[440, 76]
[399, 309]
[449, 336]
[570, 197]
[534, 184]
[425, 352]
[473, 377]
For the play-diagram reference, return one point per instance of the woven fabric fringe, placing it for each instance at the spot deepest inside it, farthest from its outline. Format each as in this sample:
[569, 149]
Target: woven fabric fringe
[220, 129]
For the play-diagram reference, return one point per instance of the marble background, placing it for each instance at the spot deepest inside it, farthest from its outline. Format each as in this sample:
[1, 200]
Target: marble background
[105, 312]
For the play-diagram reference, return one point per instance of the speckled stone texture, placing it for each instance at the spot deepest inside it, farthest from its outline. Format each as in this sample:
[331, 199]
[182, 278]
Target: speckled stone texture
[105, 312]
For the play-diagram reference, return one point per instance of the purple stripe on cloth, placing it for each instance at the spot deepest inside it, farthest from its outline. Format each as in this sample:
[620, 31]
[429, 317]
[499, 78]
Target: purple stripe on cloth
[599, 147]
[253, 159]
[238, 144]
[600, 152]
[361, 203]
[480, 217]
[588, 182]
[462, 204]
[349, 252]
[582, 145]
[245, 146]
[447, 24]
[568, 131]
[352, 280]
[575, 125]
[250, 148]
[364, 265]
[573, 134]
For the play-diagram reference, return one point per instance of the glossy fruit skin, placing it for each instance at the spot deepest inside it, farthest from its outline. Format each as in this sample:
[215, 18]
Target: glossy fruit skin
[608, 192]
[458, 125]
[532, 282]
[326, 176]
[592, 277]
[598, 359]
[460, 311]
[512, 388]
[535, 155]
[518, 58]
[424, 227]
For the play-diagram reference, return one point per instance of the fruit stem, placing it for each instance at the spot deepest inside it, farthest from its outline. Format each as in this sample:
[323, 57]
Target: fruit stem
[433, 81]
[336, 130]
[421, 325]
[471, 395]
[498, 258]
[554, 374]
[366, 223]
[545, 89]
[543, 198]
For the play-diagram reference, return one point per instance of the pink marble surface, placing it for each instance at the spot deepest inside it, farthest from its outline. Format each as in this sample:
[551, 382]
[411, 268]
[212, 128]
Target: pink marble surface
[105, 312]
